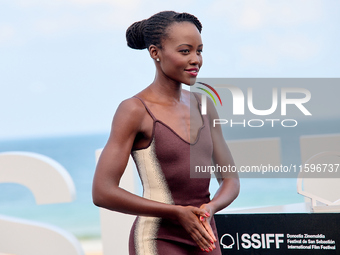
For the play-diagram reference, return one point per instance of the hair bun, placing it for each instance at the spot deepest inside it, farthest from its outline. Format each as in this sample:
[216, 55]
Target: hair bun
[135, 37]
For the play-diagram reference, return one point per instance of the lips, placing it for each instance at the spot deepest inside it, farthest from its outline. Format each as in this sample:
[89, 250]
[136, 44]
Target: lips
[192, 71]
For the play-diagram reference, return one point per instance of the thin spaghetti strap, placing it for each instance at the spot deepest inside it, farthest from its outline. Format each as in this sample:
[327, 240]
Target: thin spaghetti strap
[147, 108]
[199, 102]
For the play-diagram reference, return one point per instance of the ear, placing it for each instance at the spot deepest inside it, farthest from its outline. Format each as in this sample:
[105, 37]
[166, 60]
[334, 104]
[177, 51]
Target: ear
[154, 51]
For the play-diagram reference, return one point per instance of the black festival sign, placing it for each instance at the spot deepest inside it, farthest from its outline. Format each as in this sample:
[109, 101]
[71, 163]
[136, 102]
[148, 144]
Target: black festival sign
[289, 233]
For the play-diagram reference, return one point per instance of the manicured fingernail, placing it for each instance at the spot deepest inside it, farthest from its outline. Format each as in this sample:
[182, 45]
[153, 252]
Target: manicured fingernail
[202, 249]
[212, 241]
[206, 250]
[201, 218]
[207, 214]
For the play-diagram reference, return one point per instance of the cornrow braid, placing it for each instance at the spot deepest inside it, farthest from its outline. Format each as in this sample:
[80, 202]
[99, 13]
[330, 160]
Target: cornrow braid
[140, 35]
[190, 18]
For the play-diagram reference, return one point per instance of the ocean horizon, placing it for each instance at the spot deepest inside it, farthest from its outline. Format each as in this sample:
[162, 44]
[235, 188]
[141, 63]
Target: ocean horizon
[77, 154]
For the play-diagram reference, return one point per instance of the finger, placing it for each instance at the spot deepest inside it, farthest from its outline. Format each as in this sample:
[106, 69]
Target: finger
[201, 212]
[202, 242]
[207, 226]
[208, 239]
[206, 223]
[198, 239]
[203, 238]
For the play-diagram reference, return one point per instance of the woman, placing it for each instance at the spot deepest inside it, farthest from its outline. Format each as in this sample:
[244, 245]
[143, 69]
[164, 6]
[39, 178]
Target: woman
[175, 214]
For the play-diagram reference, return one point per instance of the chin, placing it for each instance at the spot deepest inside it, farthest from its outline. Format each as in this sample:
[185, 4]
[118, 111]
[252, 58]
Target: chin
[190, 82]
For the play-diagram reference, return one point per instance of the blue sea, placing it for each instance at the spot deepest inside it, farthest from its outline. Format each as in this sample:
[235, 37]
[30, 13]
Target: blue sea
[76, 154]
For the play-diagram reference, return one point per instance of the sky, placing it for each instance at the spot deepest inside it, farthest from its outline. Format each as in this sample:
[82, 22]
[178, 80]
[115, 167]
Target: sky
[65, 65]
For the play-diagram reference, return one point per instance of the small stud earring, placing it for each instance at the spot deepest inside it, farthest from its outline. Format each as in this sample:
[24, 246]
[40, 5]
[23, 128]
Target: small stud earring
[157, 59]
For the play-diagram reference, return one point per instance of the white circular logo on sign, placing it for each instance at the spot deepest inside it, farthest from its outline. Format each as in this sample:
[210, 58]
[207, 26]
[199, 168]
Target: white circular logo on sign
[227, 241]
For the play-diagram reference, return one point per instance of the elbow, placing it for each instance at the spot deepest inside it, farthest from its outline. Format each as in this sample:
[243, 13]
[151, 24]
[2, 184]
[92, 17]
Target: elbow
[99, 196]
[102, 198]
[237, 188]
[97, 199]
[99, 193]
[102, 201]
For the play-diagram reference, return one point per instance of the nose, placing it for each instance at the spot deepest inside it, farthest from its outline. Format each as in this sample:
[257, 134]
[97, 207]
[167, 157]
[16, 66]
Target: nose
[196, 59]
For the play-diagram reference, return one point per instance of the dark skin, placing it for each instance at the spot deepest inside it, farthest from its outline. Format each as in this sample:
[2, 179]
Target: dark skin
[179, 59]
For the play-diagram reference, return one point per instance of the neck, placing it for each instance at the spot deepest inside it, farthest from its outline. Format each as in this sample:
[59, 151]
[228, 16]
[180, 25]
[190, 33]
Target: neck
[167, 89]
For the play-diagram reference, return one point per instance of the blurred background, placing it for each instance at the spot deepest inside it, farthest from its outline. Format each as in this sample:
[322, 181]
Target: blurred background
[65, 67]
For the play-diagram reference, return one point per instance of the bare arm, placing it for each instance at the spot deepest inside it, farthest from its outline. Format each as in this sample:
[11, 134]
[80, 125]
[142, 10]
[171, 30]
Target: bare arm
[229, 182]
[127, 123]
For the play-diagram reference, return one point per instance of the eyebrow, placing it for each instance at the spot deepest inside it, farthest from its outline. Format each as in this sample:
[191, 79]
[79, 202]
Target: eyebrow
[189, 45]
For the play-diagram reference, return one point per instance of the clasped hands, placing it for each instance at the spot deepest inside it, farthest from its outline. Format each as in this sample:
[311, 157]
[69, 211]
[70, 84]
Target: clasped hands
[196, 221]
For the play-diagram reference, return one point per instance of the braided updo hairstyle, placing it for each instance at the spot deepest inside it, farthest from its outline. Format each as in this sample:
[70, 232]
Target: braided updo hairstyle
[140, 35]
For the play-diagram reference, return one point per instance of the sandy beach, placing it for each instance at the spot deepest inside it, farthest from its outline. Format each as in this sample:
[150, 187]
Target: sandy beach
[92, 246]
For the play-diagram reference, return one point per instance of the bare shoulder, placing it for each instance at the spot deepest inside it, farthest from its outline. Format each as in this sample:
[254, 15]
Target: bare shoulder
[131, 105]
[130, 113]
[211, 110]
[196, 96]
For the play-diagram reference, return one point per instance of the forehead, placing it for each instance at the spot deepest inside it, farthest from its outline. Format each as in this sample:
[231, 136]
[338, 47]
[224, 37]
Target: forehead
[183, 33]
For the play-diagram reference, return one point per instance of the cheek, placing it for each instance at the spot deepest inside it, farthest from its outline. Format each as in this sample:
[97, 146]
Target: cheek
[178, 60]
[201, 60]
[175, 63]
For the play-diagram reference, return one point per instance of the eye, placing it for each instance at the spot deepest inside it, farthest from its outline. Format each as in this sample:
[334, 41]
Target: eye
[199, 51]
[185, 51]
